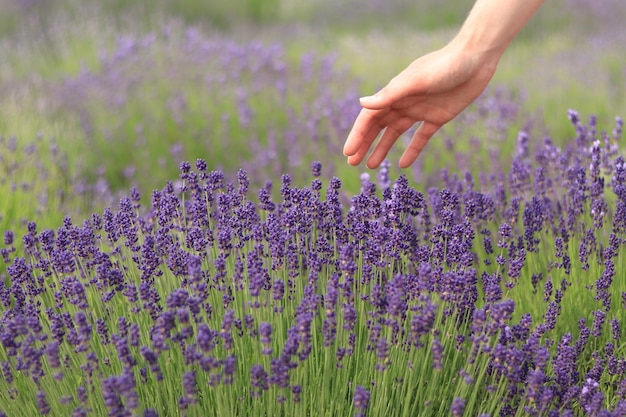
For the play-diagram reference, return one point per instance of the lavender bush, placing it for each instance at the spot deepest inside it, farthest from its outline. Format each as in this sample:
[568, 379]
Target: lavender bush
[36, 182]
[491, 295]
[181, 94]
[138, 92]
[114, 128]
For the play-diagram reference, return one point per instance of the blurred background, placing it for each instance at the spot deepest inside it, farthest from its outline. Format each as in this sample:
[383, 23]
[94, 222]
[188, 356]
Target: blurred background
[119, 92]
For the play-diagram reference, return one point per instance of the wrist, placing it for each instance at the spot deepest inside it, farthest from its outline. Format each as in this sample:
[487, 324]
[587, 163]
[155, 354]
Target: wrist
[480, 54]
[480, 43]
[492, 25]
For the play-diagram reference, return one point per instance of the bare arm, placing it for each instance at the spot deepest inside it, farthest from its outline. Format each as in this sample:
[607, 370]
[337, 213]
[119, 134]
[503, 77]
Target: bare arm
[435, 88]
[493, 24]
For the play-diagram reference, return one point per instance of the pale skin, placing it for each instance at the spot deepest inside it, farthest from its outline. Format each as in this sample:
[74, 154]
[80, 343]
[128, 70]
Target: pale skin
[437, 87]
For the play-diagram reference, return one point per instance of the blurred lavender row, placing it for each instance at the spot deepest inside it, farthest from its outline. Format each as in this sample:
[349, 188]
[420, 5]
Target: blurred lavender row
[36, 182]
[219, 300]
[148, 101]
[181, 94]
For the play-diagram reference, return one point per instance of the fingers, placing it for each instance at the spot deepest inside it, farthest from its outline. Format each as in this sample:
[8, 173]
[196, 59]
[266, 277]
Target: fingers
[366, 128]
[419, 141]
[389, 137]
[361, 145]
[358, 157]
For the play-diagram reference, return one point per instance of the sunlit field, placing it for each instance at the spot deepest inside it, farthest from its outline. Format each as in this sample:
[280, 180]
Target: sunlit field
[182, 236]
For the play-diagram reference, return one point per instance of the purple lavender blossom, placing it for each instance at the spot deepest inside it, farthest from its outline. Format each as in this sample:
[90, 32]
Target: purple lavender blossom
[189, 386]
[316, 168]
[42, 403]
[296, 390]
[599, 317]
[258, 379]
[265, 336]
[230, 365]
[615, 329]
[115, 390]
[361, 400]
[437, 352]
[458, 407]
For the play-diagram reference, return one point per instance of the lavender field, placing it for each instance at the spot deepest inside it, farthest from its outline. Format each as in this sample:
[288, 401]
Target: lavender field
[181, 235]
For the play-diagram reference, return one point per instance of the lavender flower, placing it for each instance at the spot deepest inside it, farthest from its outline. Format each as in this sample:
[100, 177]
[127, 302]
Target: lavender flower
[230, 366]
[296, 390]
[383, 175]
[382, 353]
[189, 386]
[437, 352]
[615, 329]
[458, 407]
[42, 403]
[361, 399]
[598, 322]
[564, 365]
[265, 334]
[117, 388]
[258, 379]
[316, 168]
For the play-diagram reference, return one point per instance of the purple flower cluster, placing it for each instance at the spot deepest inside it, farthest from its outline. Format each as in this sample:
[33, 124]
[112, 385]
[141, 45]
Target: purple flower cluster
[210, 291]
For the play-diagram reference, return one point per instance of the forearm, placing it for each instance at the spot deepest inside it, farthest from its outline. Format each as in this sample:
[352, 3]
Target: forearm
[493, 24]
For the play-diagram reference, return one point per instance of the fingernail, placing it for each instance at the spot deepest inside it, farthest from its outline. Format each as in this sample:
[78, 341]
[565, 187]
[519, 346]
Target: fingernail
[367, 99]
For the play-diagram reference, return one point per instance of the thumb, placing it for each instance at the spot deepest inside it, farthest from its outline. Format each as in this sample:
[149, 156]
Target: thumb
[383, 98]
[396, 89]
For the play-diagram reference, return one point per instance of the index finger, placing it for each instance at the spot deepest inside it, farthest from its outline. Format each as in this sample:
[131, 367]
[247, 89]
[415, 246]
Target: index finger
[366, 128]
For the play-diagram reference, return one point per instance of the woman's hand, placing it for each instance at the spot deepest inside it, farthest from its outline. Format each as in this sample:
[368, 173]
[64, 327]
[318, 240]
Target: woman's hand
[432, 90]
